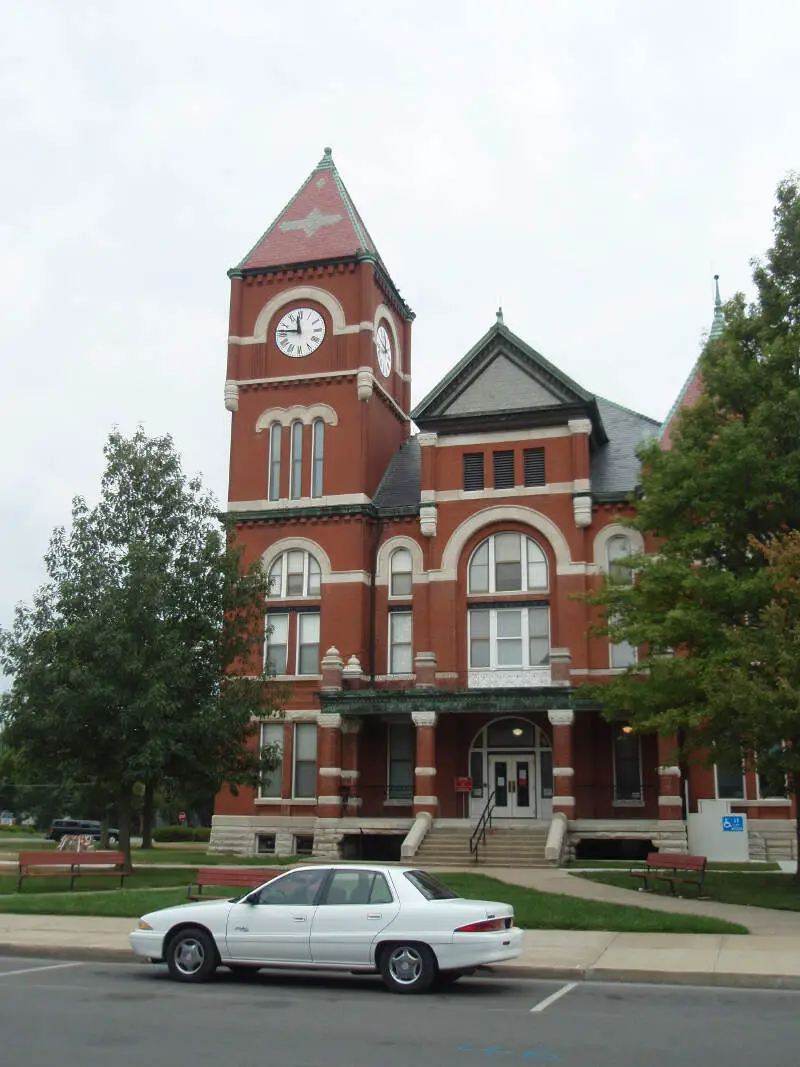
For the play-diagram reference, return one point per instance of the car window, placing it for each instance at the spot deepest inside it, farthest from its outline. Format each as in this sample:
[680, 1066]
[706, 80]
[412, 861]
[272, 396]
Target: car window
[430, 887]
[357, 887]
[297, 888]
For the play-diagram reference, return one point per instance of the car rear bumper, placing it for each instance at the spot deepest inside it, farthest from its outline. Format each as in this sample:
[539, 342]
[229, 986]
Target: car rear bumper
[149, 944]
[472, 950]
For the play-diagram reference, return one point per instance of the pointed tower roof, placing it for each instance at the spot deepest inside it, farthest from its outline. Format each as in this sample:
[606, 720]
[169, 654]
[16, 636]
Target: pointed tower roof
[693, 385]
[319, 222]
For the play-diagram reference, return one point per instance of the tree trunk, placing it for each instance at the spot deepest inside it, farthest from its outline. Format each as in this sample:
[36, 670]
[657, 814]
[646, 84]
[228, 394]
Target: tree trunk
[148, 815]
[125, 819]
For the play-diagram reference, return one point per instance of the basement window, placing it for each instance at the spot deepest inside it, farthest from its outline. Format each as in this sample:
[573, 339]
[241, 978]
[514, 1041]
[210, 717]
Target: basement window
[265, 844]
[303, 844]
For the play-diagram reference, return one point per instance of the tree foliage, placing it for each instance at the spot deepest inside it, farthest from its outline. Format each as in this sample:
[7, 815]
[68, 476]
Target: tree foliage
[707, 606]
[132, 666]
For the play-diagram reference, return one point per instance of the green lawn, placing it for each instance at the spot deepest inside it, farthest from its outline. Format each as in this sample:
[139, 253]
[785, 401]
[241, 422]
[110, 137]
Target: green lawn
[757, 890]
[610, 865]
[165, 854]
[152, 889]
[551, 911]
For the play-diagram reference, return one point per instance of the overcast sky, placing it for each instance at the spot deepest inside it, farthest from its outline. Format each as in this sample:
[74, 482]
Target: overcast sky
[588, 164]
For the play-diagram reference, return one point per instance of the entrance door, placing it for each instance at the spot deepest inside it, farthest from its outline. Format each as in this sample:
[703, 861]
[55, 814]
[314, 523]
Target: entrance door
[512, 779]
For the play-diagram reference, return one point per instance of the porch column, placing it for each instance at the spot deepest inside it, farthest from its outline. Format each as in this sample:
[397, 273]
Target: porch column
[329, 766]
[563, 769]
[351, 728]
[425, 796]
[670, 803]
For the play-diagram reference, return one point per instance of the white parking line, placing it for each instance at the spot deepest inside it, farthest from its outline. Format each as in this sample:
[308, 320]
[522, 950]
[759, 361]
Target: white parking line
[45, 967]
[554, 996]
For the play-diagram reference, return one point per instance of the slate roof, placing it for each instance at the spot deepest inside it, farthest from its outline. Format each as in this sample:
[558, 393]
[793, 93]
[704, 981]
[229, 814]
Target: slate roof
[319, 222]
[399, 487]
[614, 468]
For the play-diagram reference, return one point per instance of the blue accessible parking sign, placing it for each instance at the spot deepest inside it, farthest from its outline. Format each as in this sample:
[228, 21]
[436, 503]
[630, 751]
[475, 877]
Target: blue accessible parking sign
[733, 824]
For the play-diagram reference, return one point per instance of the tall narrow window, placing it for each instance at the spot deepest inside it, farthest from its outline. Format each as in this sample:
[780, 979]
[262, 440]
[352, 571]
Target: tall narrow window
[618, 549]
[276, 645]
[473, 471]
[305, 760]
[400, 573]
[272, 736]
[274, 489]
[402, 750]
[627, 768]
[308, 643]
[296, 480]
[730, 781]
[317, 456]
[400, 642]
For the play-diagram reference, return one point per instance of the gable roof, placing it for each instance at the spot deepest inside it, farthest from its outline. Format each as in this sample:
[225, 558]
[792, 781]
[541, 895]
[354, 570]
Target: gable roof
[503, 381]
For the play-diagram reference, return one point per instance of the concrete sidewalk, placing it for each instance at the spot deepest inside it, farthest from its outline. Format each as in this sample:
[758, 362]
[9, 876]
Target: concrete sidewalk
[689, 959]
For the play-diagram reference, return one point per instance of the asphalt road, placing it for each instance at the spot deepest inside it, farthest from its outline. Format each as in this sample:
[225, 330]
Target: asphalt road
[93, 1015]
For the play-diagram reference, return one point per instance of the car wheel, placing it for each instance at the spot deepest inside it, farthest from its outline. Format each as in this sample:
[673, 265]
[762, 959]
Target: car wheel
[191, 955]
[408, 968]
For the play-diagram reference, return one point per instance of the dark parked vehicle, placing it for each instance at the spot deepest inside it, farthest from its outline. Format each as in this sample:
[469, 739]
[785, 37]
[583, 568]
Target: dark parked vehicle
[86, 827]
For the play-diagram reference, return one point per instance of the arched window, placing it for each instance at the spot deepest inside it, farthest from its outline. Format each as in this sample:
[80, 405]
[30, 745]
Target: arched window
[296, 462]
[294, 574]
[274, 487]
[618, 548]
[507, 563]
[400, 568]
[317, 456]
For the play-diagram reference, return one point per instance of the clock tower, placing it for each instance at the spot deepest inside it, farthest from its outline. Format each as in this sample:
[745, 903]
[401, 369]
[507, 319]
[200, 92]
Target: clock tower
[318, 376]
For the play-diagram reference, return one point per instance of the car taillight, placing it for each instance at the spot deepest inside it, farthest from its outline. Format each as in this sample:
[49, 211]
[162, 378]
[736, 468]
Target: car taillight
[485, 926]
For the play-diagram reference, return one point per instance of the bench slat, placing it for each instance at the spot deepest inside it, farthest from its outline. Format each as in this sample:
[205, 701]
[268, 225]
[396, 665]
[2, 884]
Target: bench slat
[231, 876]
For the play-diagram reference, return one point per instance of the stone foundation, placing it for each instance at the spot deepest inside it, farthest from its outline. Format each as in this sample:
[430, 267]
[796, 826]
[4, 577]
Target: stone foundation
[237, 834]
[667, 836]
[772, 839]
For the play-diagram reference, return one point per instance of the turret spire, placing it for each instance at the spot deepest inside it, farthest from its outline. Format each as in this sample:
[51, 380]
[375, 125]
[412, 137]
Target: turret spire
[718, 323]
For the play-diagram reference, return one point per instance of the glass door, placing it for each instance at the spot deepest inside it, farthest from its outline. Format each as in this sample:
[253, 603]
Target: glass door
[512, 779]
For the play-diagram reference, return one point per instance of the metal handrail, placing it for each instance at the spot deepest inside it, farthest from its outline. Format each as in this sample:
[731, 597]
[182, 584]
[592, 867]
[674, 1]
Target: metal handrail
[479, 833]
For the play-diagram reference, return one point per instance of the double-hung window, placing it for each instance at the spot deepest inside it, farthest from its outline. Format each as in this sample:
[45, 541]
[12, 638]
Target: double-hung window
[317, 456]
[618, 549]
[308, 642]
[400, 648]
[274, 486]
[296, 462]
[304, 783]
[509, 637]
[276, 646]
[272, 738]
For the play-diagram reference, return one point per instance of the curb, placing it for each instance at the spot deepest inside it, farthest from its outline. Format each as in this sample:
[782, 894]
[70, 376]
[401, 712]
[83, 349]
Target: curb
[504, 971]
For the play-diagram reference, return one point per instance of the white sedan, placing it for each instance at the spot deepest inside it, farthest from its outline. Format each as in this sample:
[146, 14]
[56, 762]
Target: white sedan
[398, 921]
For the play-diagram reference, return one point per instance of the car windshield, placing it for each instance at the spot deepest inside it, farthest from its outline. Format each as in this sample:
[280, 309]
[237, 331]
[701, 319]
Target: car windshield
[430, 887]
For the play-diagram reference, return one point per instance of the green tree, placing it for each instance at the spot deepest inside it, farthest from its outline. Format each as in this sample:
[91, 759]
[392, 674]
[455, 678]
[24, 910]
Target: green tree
[730, 483]
[134, 663]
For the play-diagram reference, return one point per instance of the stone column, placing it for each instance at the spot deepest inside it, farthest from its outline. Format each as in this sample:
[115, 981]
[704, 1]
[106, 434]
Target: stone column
[329, 766]
[425, 796]
[670, 802]
[563, 767]
[351, 728]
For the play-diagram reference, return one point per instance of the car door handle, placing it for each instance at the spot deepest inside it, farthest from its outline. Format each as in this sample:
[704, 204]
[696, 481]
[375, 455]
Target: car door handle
[299, 918]
[375, 915]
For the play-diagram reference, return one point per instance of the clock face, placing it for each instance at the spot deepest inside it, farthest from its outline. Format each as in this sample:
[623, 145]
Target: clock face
[383, 349]
[300, 332]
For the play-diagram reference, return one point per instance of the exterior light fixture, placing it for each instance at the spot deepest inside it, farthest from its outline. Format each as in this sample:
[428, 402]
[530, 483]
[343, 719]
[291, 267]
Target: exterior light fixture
[517, 731]
[627, 729]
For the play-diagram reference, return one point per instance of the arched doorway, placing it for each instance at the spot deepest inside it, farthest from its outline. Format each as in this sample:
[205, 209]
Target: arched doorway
[513, 759]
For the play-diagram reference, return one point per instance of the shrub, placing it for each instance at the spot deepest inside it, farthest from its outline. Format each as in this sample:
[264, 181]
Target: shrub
[181, 833]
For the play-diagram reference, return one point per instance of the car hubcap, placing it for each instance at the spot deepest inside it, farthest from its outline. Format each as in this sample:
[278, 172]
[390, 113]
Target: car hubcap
[189, 956]
[405, 965]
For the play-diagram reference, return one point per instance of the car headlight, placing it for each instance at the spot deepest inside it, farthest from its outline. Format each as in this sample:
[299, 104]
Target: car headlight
[142, 925]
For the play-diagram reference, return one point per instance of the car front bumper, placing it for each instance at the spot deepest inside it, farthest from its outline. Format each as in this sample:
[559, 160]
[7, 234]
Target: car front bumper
[149, 944]
[474, 950]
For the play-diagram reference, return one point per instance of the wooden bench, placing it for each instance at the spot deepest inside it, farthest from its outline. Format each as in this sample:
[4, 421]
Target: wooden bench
[70, 865]
[241, 878]
[672, 867]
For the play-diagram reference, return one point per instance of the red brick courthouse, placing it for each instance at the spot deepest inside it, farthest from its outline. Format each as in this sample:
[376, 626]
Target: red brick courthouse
[423, 567]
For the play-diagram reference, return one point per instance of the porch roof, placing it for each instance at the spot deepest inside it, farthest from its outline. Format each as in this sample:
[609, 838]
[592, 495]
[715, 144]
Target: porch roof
[370, 702]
